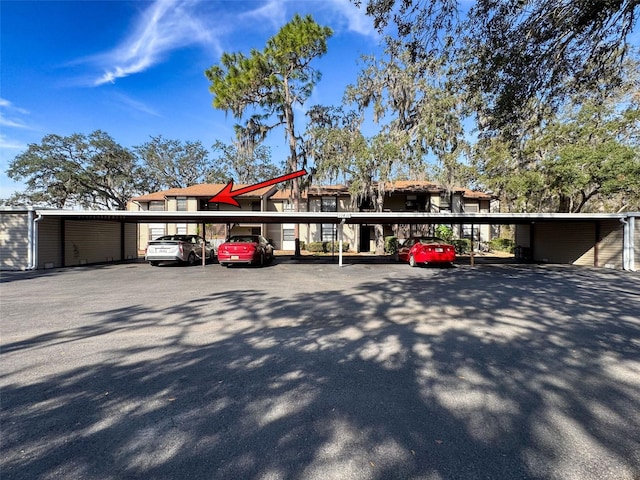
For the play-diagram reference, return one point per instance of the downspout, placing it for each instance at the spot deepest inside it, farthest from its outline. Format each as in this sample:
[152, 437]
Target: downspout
[628, 260]
[33, 240]
[30, 240]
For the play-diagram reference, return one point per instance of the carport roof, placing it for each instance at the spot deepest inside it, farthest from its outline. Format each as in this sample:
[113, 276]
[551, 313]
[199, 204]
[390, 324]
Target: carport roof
[243, 216]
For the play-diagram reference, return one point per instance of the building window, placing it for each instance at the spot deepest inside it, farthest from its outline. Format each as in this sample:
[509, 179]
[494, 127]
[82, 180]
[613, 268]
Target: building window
[288, 234]
[156, 231]
[255, 206]
[329, 204]
[204, 204]
[471, 208]
[328, 232]
[181, 204]
[445, 202]
[411, 203]
[156, 205]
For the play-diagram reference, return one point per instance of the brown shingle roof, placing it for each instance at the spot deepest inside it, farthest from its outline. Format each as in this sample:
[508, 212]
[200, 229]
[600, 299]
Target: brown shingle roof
[210, 189]
[200, 190]
[424, 186]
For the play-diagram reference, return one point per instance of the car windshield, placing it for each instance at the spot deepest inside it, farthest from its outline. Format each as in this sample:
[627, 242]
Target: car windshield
[182, 238]
[243, 239]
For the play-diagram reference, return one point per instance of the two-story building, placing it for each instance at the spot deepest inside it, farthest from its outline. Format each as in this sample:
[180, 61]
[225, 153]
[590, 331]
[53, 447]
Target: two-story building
[194, 199]
[401, 196]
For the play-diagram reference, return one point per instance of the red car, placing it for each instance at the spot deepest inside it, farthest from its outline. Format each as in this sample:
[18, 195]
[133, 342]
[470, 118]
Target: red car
[418, 250]
[247, 249]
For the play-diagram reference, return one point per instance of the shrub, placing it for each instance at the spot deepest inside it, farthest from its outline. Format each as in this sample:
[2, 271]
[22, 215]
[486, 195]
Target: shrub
[391, 245]
[502, 244]
[462, 245]
[325, 247]
[444, 232]
[315, 247]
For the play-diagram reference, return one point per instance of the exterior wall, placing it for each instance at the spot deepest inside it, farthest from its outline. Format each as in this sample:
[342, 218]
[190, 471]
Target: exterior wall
[574, 243]
[49, 243]
[130, 241]
[274, 233]
[523, 236]
[565, 243]
[274, 230]
[14, 241]
[395, 203]
[91, 242]
[636, 242]
[313, 232]
[609, 252]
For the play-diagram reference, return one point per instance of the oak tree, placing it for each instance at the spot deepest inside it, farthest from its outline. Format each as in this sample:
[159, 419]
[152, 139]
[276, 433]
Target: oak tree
[90, 171]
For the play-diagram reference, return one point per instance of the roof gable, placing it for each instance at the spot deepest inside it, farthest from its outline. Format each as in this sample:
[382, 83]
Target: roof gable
[206, 190]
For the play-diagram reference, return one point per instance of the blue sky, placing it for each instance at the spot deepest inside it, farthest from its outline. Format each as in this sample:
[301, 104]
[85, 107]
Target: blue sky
[135, 69]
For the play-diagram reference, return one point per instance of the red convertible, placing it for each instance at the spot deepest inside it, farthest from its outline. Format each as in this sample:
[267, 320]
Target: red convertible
[248, 249]
[417, 250]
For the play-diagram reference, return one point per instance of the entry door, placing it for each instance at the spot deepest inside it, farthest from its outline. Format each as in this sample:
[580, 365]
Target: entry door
[365, 238]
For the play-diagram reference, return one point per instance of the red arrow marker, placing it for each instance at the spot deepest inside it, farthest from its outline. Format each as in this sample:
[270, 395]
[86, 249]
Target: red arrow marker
[228, 196]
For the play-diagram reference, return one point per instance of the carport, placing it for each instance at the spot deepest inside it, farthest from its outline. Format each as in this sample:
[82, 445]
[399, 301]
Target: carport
[49, 238]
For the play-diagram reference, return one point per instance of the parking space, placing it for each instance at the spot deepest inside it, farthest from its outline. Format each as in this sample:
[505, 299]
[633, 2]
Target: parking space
[307, 370]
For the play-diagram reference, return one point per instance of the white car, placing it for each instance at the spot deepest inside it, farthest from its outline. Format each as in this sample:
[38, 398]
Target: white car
[178, 248]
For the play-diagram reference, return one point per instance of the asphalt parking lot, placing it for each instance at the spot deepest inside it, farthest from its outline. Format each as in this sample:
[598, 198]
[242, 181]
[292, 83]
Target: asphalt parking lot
[313, 371]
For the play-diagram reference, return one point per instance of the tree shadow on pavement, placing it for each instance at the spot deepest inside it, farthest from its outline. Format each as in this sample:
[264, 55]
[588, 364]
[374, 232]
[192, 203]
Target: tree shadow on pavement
[524, 373]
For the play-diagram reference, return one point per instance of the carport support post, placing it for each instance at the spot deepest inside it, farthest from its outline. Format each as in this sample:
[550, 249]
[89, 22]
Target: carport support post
[340, 242]
[472, 239]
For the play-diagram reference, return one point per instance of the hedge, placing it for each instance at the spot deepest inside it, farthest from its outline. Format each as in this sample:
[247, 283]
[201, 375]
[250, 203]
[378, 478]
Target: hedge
[325, 247]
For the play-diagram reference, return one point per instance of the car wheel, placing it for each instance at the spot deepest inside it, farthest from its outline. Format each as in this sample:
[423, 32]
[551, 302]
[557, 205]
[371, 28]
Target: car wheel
[262, 259]
[191, 260]
[153, 264]
[412, 261]
[397, 257]
[212, 256]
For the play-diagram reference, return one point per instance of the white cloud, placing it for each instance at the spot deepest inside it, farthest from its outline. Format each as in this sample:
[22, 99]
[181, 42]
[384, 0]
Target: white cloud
[166, 25]
[274, 11]
[134, 104]
[277, 13]
[357, 20]
[11, 116]
[169, 25]
[10, 144]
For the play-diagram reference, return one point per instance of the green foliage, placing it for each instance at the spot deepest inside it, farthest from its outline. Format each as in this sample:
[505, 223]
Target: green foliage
[586, 158]
[513, 58]
[445, 232]
[326, 247]
[272, 81]
[175, 164]
[502, 244]
[241, 165]
[391, 245]
[462, 245]
[89, 171]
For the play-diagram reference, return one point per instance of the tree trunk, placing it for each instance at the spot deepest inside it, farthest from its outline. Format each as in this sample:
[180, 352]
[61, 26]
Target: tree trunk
[379, 229]
[293, 161]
